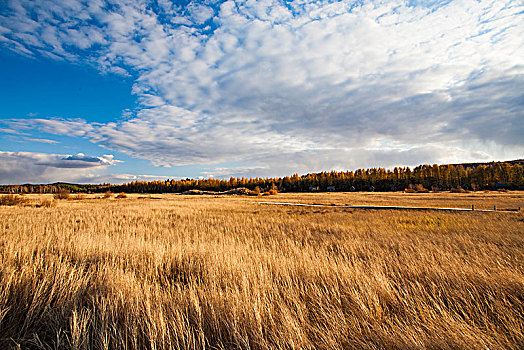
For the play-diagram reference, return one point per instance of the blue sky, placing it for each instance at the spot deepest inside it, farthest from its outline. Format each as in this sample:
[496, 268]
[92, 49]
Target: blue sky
[113, 91]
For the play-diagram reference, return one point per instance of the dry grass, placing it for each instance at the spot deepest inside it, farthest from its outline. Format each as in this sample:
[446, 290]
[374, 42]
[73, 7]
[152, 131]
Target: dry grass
[205, 272]
[481, 200]
[11, 199]
[25, 201]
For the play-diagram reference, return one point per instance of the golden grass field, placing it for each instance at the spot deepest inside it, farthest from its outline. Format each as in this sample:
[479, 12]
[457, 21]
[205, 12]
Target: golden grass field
[195, 272]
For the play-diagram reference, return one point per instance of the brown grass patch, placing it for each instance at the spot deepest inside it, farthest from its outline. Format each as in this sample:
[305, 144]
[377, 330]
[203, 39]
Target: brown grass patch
[11, 199]
[202, 272]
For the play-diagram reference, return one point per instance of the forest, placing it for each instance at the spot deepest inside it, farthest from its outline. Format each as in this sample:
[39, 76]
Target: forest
[464, 177]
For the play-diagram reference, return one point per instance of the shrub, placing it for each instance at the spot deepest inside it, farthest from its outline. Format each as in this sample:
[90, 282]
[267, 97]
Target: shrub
[409, 190]
[47, 203]
[265, 194]
[108, 194]
[458, 190]
[11, 199]
[61, 194]
[79, 197]
[257, 190]
[121, 195]
[273, 192]
[241, 191]
[420, 189]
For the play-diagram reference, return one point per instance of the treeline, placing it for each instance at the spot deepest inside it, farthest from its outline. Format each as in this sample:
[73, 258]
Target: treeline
[489, 176]
[53, 188]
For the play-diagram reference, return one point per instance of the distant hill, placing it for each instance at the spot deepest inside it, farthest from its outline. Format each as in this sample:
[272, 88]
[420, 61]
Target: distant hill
[474, 165]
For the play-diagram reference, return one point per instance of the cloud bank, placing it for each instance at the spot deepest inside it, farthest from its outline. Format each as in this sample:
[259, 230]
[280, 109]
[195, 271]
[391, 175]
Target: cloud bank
[29, 167]
[292, 86]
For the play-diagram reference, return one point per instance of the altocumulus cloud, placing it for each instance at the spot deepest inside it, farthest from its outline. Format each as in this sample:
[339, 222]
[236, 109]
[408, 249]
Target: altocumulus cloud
[29, 167]
[293, 86]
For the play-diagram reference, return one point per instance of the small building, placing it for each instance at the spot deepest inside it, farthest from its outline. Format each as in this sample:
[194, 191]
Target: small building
[313, 188]
[330, 188]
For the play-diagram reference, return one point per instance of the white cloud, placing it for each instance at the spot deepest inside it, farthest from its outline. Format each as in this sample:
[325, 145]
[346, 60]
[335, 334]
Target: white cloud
[280, 84]
[29, 167]
[126, 178]
[40, 140]
[200, 13]
[8, 131]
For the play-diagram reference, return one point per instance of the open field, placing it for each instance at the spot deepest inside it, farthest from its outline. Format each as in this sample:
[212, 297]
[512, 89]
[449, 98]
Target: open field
[187, 272]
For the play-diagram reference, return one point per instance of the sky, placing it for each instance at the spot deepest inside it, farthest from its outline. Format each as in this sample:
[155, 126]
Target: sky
[116, 91]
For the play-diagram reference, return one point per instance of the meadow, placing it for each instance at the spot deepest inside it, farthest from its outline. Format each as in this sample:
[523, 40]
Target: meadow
[224, 272]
